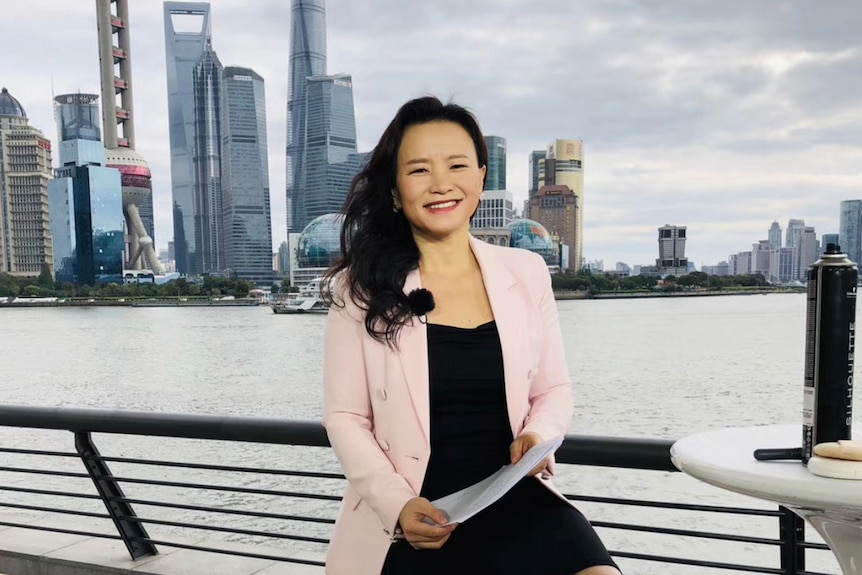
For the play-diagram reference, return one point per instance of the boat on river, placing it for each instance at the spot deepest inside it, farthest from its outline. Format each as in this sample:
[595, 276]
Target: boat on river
[308, 300]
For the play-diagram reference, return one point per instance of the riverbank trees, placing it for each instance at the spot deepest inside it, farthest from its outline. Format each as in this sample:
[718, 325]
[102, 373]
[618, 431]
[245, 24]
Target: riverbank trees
[207, 286]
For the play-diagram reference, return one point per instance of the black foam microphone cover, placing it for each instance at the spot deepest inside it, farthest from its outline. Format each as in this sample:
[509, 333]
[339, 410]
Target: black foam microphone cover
[421, 301]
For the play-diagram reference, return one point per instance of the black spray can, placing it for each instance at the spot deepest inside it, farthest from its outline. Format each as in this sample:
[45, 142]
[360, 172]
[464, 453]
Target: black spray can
[829, 347]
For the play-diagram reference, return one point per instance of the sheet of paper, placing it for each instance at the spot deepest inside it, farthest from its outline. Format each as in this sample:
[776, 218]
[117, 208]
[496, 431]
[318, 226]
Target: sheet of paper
[462, 505]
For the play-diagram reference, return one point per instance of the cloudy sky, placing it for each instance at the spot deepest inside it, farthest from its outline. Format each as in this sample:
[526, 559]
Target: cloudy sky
[719, 115]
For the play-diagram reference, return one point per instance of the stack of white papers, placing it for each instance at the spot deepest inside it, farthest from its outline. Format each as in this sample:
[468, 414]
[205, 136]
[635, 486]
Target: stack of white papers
[462, 505]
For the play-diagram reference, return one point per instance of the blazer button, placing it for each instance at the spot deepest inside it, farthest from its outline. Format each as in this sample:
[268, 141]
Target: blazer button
[384, 445]
[382, 394]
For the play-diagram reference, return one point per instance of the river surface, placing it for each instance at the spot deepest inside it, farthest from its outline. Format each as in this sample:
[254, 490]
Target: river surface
[659, 368]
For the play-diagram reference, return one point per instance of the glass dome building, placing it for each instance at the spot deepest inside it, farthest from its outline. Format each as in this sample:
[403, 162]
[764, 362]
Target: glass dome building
[531, 235]
[320, 242]
[10, 106]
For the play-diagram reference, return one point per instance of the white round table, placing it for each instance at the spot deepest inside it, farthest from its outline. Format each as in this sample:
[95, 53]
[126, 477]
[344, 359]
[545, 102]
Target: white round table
[724, 458]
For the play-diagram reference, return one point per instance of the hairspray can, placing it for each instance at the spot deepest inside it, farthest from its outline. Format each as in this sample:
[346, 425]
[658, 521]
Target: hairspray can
[830, 343]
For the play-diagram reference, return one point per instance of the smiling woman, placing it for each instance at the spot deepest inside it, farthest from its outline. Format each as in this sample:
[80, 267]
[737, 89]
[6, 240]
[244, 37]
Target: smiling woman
[389, 211]
[421, 403]
[439, 181]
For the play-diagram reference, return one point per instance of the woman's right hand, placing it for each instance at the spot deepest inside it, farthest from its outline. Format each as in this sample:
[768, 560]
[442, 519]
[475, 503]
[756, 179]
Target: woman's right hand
[420, 534]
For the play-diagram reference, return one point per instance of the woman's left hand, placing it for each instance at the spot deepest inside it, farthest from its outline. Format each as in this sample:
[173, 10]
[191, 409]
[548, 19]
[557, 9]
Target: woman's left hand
[522, 445]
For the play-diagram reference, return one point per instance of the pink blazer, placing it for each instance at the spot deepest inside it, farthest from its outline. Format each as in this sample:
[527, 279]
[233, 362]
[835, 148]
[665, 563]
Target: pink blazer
[376, 410]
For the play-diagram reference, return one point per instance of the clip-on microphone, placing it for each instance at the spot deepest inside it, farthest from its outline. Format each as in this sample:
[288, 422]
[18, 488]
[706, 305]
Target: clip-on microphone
[421, 301]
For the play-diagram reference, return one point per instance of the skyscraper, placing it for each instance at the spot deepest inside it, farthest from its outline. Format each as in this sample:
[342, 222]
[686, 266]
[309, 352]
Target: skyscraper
[495, 179]
[793, 240]
[245, 176]
[671, 250]
[809, 251]
[760, 254]
[557, 208]
[563, 166]
[330, 141]
[25, 169]
[307, 59]
[781, 266]
[775, 235]
[536, 158]
[187, 29]
[118, 130]
[85, 198]
[793, 235]
[850, 229]
[209, 221]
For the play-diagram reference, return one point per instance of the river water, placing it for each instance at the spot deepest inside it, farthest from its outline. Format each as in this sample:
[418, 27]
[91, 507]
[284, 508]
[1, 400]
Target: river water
[661, 368]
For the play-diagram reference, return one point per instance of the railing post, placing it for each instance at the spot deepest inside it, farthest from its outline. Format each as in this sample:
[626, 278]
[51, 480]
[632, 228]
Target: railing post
[109, 490]
[792, 533]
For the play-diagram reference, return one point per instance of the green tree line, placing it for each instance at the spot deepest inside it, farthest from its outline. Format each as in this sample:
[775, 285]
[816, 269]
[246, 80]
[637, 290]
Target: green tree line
[586, 280]
[44, 286]
[212, 286]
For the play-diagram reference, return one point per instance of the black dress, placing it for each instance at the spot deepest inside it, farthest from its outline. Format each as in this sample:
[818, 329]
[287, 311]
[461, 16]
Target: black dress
[529, 531]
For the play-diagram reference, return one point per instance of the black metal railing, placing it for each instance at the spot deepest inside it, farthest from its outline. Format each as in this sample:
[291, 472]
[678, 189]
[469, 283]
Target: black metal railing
[624, 453]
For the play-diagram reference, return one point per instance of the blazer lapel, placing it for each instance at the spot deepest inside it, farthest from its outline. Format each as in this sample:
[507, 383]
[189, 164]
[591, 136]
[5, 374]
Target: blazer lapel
[413, 353]
[509, 314]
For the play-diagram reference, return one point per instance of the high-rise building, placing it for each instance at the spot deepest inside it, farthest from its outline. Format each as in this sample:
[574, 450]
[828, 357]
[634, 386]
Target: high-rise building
[536, 168]
[118, 130]
[495, 177]
[850, 229]
[284, 259]
[330, 146]
[775, 235]
[827, 239]
[793, 240]
[740, 264]
[496, 210]
[760, 253]
[307, 59]
[563, 166]
[25, 170]
[245, 177]
[208, 208]
[557, 208]
[781, 265]
[671, 251]
[809, 251]
[793, 235]
[85, 198]
[187, 29]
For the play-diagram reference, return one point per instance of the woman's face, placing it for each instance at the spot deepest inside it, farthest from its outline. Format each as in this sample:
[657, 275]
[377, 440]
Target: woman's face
[439, 179]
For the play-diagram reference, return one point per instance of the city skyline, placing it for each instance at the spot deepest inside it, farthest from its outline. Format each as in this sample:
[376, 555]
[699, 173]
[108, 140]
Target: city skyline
[713, 117]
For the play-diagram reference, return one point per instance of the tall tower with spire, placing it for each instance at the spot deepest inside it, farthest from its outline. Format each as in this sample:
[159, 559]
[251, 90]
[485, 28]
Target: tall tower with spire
[187, 31]
[118, 129]
[307, 59]
[209, 209]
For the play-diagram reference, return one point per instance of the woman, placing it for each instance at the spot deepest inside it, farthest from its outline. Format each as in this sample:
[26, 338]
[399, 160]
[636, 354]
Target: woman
[422, 397]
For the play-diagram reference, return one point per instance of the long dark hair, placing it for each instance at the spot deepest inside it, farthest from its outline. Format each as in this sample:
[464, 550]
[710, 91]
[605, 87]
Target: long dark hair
[377, 246]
